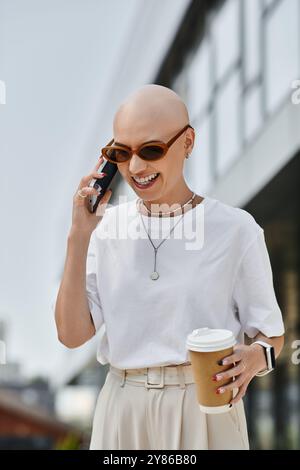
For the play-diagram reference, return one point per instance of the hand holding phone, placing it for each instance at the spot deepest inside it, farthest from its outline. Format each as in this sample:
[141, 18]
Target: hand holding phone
[82, 220]
[109, 169]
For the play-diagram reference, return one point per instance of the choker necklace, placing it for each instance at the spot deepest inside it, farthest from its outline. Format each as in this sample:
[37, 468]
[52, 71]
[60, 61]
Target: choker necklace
[171, 212]
[155, 275]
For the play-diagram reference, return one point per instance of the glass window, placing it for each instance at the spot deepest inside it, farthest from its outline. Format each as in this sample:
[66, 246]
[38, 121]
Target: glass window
[252, 112]
[252, 14]
[199, 81]
[199, 163]
[226, 37]
[268, 3]
[228, 123]
[282, 51]
[179, 84]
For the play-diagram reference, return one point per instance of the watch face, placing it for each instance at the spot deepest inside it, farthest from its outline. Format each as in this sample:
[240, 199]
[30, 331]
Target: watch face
[272, 354]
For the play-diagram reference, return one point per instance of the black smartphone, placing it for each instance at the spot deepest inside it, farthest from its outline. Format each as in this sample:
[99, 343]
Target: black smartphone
[102, 183]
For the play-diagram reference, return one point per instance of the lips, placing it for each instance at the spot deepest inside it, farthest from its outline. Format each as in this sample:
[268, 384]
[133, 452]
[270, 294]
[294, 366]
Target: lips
[145, 186]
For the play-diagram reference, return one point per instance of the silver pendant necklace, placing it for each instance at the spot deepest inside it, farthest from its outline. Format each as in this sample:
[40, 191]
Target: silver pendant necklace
[155, 275]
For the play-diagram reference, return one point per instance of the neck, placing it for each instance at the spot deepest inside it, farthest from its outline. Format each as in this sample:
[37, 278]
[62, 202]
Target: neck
[169, 202]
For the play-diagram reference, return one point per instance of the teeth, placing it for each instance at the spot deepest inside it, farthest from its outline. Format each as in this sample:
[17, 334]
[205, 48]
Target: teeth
[145, 180]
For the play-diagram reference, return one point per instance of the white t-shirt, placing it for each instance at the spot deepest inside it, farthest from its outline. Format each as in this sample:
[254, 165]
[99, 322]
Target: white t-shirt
[220, 278]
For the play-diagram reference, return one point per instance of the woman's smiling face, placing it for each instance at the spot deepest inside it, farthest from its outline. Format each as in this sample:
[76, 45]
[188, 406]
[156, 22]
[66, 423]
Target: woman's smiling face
[164, 173]
[147, 116]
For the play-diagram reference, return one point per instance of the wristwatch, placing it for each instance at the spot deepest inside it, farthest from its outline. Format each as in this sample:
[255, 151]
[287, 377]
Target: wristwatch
[270, 357]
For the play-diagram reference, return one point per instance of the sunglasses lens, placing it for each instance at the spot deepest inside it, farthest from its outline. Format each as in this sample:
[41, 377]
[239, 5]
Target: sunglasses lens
[151, 152]
[117, 155]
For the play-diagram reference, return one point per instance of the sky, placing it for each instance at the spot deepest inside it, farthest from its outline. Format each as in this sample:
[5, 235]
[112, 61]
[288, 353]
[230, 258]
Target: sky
[56, 59]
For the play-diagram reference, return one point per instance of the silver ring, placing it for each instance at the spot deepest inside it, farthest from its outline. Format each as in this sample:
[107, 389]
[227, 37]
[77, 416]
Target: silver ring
[79, 193]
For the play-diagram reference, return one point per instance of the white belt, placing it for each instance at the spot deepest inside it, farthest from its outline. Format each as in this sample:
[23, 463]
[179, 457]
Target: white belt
[156, 377]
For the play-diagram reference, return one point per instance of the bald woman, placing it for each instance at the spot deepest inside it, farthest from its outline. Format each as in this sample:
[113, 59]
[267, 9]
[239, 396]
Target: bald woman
[155, 112]
[146, 290]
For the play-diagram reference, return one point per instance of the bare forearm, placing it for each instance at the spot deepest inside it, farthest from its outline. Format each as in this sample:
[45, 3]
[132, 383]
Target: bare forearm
[73, 320]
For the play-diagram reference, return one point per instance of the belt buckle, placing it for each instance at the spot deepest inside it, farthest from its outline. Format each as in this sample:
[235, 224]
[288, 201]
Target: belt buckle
[162, 377]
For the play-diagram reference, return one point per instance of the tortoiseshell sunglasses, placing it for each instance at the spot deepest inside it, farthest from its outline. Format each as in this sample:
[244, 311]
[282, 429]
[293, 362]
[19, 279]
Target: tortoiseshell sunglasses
[149, 151]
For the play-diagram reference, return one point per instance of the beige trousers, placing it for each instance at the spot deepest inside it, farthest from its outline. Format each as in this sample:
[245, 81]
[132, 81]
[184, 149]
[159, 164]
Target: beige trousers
[128, 416]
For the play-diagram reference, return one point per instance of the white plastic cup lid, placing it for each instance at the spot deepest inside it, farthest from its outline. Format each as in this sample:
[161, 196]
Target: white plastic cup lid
[210, 339]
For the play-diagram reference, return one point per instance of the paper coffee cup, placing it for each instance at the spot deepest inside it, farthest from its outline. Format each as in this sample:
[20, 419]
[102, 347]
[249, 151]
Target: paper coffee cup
[206, 347]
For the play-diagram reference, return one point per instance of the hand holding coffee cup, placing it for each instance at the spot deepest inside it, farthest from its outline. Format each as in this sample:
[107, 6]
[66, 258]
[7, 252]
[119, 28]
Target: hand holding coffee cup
[207, 347]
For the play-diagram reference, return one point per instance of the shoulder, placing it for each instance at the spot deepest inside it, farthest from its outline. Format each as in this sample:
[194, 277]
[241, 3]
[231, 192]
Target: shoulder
[236, 222]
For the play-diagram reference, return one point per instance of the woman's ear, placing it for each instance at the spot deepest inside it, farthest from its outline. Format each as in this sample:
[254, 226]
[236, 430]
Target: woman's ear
[189, 142]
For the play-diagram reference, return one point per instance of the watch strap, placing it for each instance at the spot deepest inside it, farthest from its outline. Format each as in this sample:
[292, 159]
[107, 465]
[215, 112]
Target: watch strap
[270, 357]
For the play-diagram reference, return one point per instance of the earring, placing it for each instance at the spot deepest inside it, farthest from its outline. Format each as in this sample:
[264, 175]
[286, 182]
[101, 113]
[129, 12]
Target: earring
[187, 155]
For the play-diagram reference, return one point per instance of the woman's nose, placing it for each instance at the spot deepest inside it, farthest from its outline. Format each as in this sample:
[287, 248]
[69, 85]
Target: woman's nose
[136, 163]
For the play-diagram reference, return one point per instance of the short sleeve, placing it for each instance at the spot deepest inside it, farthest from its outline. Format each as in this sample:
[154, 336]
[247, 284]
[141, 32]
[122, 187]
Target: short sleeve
[253, 292]
[92, 292]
